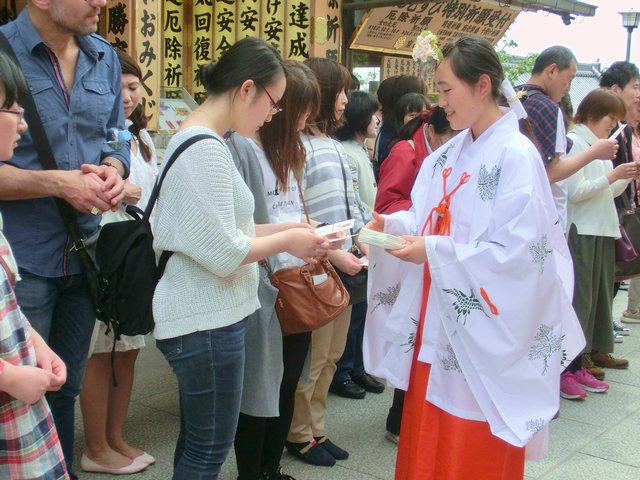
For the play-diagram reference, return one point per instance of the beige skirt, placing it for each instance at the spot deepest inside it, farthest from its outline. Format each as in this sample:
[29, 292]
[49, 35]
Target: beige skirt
[101, 342]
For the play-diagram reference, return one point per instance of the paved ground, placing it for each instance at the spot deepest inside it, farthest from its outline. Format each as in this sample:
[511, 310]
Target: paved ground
[594, 439]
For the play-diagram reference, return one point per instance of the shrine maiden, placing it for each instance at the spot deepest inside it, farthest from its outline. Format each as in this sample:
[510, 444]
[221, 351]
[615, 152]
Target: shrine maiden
[473, 315]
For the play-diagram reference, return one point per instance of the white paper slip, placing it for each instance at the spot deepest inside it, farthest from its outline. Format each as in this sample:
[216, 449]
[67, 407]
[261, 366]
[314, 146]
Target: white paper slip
[381, 240]
[321, 278]
[341, 238]
[617, 132]
[334, 228]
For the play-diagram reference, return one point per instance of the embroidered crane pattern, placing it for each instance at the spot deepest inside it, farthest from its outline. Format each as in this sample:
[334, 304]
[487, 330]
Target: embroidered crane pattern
[465, 304]
[388, 297]
[488, 182]
[441, 161]
[411, 341]
[564, 361]
[450, 362]
[545, 344]
[534, 425]
[539, 252]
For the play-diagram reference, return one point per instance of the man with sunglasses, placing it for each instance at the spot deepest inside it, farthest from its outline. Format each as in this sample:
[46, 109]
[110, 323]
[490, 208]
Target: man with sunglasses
[74, 78]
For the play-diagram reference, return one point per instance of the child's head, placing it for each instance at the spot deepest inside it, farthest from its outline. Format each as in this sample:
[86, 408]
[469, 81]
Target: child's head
[251, 73]
[468, 80]
[408, 107]
[334, 80]
[439, 129]
[13, 91]
[392, 88]
[360, 120]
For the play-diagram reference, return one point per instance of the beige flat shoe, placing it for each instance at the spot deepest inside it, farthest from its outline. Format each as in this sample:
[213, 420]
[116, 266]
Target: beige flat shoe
[88, 465]
[145, 458]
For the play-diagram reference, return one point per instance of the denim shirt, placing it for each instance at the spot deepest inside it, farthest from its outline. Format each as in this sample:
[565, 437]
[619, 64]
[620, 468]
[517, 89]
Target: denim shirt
[77, 134]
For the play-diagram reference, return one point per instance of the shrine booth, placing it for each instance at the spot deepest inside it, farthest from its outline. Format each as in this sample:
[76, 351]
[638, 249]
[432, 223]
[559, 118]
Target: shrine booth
[172, 39]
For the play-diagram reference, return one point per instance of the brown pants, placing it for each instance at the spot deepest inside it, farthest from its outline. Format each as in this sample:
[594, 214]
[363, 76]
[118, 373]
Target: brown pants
[327, 346]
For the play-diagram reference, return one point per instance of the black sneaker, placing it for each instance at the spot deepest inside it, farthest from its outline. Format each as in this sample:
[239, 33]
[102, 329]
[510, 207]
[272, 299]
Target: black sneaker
[311, 453]
[620, 329]
[335, 451]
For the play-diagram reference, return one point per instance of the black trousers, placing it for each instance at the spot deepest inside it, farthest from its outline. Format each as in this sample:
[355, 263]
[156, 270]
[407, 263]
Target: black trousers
[260, 441]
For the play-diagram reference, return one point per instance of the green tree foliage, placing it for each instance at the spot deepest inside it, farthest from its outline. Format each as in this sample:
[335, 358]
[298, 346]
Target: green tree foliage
[514, 66]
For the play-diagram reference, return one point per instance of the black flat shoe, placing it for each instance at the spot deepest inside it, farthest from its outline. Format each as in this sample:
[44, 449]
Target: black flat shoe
[334, 450]
[369, 383]
[347, 389]
[278, 475]
[311, 453]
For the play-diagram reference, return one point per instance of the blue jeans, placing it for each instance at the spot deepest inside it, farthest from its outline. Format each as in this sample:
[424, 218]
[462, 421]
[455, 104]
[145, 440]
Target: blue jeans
[351, 362]
[210, 367]
[60, 310]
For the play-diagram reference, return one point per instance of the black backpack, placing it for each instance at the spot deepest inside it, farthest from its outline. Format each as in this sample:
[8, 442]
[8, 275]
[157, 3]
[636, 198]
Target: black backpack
[127, 264]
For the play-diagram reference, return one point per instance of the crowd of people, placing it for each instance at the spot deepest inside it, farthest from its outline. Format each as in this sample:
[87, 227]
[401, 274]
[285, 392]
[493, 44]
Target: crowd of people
[496, 193]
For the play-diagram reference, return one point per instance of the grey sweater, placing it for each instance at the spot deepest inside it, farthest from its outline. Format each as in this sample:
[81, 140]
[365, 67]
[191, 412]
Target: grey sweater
[263, 367]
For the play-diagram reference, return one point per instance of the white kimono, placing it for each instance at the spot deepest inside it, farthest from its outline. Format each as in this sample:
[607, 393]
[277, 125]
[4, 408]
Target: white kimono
[499, 326]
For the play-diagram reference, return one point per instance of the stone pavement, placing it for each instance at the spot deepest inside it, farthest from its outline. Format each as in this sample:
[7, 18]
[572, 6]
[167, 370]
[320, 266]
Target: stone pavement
[593, 439]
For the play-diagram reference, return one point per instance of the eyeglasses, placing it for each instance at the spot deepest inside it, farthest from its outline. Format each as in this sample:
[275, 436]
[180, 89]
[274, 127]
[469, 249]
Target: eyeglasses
[275, 108]
[19, 112]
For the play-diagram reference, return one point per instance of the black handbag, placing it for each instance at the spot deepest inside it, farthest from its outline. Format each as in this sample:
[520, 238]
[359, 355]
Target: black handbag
[356, 284]
[629, 218]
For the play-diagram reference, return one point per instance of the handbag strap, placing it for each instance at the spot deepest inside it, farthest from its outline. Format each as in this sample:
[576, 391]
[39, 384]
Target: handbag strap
[304, 204]
[626, 201]
[174, 156]
[166, 254]
[626, 144]
[344, 179]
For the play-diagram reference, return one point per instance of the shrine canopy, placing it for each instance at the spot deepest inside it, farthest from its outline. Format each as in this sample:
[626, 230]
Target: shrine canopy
[392, 29]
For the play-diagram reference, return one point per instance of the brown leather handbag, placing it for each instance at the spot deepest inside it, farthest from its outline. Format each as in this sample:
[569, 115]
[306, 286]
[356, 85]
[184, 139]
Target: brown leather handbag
[309, 296]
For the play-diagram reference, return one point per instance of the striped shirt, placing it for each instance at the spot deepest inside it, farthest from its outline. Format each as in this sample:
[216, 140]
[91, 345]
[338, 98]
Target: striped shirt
[323, 183]
[29, 445]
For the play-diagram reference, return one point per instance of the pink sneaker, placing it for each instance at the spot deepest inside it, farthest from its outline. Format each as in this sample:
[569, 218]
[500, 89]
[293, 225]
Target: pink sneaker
[590, 383]
[569, 387]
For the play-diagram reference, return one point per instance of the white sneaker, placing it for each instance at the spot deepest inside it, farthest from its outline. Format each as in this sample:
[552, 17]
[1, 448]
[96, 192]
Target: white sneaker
[617, 338]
